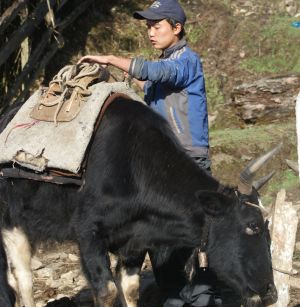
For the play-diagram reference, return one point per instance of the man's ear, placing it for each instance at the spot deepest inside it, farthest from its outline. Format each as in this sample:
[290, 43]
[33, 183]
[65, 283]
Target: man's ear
[213, 203]
[178, 28]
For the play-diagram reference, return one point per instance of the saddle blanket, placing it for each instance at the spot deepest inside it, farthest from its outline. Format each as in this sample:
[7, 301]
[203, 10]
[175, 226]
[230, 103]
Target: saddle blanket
[38, 145]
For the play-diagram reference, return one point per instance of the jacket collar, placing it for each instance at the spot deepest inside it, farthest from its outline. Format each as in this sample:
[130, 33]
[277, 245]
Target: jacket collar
[167, 52]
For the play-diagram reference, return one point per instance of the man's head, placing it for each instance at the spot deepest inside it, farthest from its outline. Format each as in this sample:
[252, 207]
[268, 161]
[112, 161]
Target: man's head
[165, 21]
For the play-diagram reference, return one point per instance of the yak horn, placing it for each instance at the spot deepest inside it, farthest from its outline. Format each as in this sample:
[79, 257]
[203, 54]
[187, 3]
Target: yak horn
[293, 165]
[258, 184]
[247, 175]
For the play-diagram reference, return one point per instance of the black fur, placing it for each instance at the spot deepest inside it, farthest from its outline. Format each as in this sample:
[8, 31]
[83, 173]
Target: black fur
[142, 191]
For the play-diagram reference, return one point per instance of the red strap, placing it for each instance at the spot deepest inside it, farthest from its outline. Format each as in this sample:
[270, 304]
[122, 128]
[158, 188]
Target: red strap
[25, 125]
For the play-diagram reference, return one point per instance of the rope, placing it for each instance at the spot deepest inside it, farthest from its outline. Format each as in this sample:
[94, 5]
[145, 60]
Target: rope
[260, 207]
[291, 273]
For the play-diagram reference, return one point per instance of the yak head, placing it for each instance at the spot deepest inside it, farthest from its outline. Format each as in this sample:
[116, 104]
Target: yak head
[238, 239]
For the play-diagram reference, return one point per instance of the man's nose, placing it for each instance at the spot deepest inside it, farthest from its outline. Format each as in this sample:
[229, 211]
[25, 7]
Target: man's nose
[151, 32]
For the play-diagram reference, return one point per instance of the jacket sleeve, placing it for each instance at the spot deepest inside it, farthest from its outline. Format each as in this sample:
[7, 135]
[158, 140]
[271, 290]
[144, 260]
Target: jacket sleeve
[149, 91]
[174, 72]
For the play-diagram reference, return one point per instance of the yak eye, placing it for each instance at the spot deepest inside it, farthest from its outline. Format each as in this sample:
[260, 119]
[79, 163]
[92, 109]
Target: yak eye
[252, 229]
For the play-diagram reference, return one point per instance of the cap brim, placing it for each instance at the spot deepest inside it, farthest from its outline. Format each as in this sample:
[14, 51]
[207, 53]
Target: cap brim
[147, 15]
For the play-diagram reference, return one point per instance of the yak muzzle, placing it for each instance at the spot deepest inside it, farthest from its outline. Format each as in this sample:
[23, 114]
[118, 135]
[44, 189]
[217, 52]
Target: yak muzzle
[269, 298]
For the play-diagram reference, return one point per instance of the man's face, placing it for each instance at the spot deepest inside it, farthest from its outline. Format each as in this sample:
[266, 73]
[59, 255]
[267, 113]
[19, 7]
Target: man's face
[161, 34]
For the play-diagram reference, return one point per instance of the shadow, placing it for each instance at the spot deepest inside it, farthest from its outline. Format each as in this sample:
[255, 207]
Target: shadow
[150, 296]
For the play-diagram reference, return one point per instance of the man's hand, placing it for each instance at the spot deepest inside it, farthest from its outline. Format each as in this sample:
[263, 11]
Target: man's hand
[103, 60]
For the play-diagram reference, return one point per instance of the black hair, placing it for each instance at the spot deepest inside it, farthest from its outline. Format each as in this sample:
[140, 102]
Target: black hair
[173, 23]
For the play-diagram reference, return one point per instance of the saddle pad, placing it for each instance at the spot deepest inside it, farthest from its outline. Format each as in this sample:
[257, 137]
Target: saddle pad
[38, 145]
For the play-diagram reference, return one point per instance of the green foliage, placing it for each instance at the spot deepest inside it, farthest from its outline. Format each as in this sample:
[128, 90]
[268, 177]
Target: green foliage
[288, 181]
[226, 3]
[267, 134]
[194, 33]
[215, 96]
[275, 48]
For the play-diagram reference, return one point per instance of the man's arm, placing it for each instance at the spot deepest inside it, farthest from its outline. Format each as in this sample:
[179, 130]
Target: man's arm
[119, 62]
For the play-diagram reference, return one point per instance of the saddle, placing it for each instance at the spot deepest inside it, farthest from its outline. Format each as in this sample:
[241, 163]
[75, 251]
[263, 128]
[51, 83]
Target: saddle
[52, 175]
[63, 99]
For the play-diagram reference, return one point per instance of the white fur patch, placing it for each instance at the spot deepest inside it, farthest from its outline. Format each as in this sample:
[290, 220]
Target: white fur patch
[19, 257]
[130, 287]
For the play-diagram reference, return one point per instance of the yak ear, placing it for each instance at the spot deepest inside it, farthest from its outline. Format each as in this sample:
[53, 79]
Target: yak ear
[213, 203]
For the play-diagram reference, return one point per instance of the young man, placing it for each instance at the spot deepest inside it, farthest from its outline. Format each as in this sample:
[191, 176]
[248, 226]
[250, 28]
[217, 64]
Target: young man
[174, 87]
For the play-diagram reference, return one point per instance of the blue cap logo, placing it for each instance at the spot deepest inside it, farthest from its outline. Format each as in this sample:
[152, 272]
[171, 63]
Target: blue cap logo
[156, 4]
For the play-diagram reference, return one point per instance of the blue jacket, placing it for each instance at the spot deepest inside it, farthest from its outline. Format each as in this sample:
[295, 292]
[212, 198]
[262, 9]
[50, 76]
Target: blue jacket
[175, 88]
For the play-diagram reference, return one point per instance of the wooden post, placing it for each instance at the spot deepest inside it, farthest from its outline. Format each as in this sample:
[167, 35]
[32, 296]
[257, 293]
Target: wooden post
[298, 129]
[284, 224]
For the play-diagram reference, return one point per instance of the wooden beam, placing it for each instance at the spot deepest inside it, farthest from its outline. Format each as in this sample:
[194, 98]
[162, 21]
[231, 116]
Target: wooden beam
[10, 14]
[25, 74]
[33, 70]
[26, 29]
[42, 63]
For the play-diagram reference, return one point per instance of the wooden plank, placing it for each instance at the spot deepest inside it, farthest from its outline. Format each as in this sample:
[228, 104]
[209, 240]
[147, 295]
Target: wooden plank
[283, 233]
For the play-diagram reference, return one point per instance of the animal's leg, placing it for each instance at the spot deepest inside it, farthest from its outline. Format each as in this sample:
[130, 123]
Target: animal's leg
[128, 272]
[96, 266]
[11, 277]
[7, 296]
[19, 253]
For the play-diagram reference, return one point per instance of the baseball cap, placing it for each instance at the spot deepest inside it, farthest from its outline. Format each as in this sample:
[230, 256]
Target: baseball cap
[162, 9]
